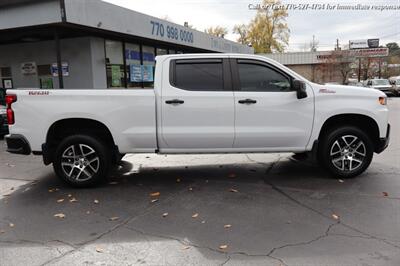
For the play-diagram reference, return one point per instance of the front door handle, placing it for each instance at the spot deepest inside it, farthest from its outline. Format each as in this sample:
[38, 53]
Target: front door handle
[174, 101]
[247, 101]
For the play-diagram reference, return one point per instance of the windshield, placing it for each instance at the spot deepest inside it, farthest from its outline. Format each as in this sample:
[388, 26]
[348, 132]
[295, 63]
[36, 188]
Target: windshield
[380, 82]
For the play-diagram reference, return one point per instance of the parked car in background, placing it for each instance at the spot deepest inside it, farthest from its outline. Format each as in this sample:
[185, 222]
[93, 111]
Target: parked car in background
[354, 82]
[395, 81]
[3, 114]
[382, 85]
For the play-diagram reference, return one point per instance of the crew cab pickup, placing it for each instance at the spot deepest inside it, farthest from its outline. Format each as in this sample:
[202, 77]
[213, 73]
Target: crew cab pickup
[201, 103]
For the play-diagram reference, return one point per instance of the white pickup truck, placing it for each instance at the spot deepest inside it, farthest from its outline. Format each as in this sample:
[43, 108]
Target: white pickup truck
[201, 103]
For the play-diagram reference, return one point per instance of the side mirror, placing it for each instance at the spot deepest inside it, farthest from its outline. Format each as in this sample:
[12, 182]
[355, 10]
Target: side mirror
[300, 87]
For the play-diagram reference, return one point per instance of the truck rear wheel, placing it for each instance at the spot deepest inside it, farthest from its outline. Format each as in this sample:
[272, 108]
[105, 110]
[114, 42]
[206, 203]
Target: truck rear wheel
[346, 151]
[81, 161]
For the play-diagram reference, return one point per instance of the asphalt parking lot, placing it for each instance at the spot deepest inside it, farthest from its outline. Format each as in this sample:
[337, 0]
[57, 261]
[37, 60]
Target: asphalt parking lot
[248, 209]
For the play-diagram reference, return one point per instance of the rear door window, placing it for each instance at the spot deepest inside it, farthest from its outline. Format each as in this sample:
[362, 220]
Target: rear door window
[198, 75]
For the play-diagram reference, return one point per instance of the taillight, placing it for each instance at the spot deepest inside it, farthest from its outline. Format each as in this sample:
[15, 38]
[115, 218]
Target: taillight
[10, 99]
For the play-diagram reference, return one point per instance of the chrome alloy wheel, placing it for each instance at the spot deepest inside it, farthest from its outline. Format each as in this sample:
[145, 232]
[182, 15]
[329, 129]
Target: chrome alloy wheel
[80, 162]
[348, 153]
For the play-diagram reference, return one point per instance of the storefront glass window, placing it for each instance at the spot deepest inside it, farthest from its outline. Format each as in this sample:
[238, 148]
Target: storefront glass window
[133, 66]
[114, 64]
[148, 66]
[161, 51]
[172, 51]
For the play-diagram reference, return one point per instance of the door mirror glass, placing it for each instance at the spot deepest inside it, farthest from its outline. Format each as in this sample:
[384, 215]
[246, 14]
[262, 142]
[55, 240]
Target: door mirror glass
[300, 87]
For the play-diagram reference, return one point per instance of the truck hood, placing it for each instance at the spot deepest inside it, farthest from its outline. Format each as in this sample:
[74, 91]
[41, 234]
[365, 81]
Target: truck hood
[348, 90]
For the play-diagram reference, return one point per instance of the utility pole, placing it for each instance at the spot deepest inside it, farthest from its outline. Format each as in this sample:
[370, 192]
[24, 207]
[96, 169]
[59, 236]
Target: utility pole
[337, 45]
[380, 68]
[313, 48]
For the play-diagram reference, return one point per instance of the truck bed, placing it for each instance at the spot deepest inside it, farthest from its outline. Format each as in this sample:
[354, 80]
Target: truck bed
[130, 114]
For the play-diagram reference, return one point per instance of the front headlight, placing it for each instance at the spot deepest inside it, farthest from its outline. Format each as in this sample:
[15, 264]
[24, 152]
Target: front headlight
[383, 100]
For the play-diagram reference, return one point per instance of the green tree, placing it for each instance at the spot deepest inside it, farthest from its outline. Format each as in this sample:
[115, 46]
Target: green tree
[268, 32]
[393, 47]
[217, 31]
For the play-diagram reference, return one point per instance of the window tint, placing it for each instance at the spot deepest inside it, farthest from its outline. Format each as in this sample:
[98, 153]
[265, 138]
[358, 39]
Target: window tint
[257, 77]
[199, 75]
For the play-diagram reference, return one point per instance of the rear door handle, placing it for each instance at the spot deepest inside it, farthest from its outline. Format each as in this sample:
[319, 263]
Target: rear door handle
[174, 101]
[247, 101]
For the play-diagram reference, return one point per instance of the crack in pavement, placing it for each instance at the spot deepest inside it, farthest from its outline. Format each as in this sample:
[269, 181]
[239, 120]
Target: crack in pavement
[186, 243]
[46, 244]
[81, 245]
[326, 234]
[291, 198]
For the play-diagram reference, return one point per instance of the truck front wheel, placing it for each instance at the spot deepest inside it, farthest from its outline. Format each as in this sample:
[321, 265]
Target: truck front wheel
[81, 161]
[346, 151]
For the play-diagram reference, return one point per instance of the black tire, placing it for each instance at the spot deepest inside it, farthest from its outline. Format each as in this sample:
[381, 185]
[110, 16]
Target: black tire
[72, 165]
[339, 161]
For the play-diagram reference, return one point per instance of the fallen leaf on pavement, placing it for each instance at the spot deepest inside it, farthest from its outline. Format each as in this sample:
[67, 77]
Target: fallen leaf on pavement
[154, 200]
[59, 215]
[223, 247]
[155, 194]
[96, 201]
[165, 214]
[11, 224]
[234, 190]
[10, 165]
[186, 247]
[60, 200]
[73, 200]
[195, 215]
[385, 194]
[227, 226]
[114, 218]
[190, 189]
[69, 195]
[2, 231]
[203, 222]
[336, 217]
[99, 250]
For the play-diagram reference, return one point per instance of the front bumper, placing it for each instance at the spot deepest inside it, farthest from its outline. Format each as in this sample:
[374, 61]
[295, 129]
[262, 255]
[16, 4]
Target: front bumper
[383, 142]
[18, 144]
